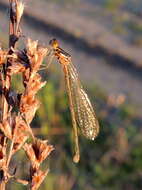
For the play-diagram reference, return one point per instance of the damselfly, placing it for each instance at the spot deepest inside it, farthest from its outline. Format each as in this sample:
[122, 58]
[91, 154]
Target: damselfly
[81, 109]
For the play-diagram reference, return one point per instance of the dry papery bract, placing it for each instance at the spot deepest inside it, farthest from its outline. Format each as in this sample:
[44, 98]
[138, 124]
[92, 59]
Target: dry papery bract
[15, 127]
[37, 153]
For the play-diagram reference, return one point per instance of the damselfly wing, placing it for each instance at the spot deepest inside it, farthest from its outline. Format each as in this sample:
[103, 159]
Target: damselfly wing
[82, 111]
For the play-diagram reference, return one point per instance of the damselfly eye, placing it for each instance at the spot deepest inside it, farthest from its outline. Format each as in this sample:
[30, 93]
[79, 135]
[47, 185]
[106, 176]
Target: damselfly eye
[82, 112]
[54, 43]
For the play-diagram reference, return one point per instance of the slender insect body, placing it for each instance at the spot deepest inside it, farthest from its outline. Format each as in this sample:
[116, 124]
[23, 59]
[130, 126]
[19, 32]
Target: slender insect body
[82, 111]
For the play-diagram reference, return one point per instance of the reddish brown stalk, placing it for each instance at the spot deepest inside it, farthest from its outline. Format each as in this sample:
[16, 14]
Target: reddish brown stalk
[7, 78]
[2, 186]
[15, 127]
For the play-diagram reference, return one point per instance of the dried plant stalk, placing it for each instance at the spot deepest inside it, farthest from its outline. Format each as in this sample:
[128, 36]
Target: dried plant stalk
[15, 126]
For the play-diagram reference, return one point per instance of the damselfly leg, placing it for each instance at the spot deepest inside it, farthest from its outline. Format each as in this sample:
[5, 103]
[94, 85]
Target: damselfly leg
[81, 109]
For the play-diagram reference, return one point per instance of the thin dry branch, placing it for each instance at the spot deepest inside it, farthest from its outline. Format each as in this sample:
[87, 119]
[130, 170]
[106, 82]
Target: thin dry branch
[15, 127]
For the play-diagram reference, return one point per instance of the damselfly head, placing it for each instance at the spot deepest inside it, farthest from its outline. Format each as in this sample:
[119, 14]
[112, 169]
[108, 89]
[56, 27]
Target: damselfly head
[59, 51]
[54, 43]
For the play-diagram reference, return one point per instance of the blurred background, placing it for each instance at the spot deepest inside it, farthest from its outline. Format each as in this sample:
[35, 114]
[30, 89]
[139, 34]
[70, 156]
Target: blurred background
[104, 38]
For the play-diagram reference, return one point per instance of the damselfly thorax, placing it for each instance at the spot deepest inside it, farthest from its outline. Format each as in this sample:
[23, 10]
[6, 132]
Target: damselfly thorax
[82, 112]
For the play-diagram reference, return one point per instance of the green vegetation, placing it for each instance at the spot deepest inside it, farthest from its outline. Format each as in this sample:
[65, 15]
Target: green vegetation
[113, 5]
[112, 161]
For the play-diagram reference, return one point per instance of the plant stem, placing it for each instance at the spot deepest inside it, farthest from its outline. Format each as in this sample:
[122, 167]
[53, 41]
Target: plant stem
[2, 185]
[7, 78]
